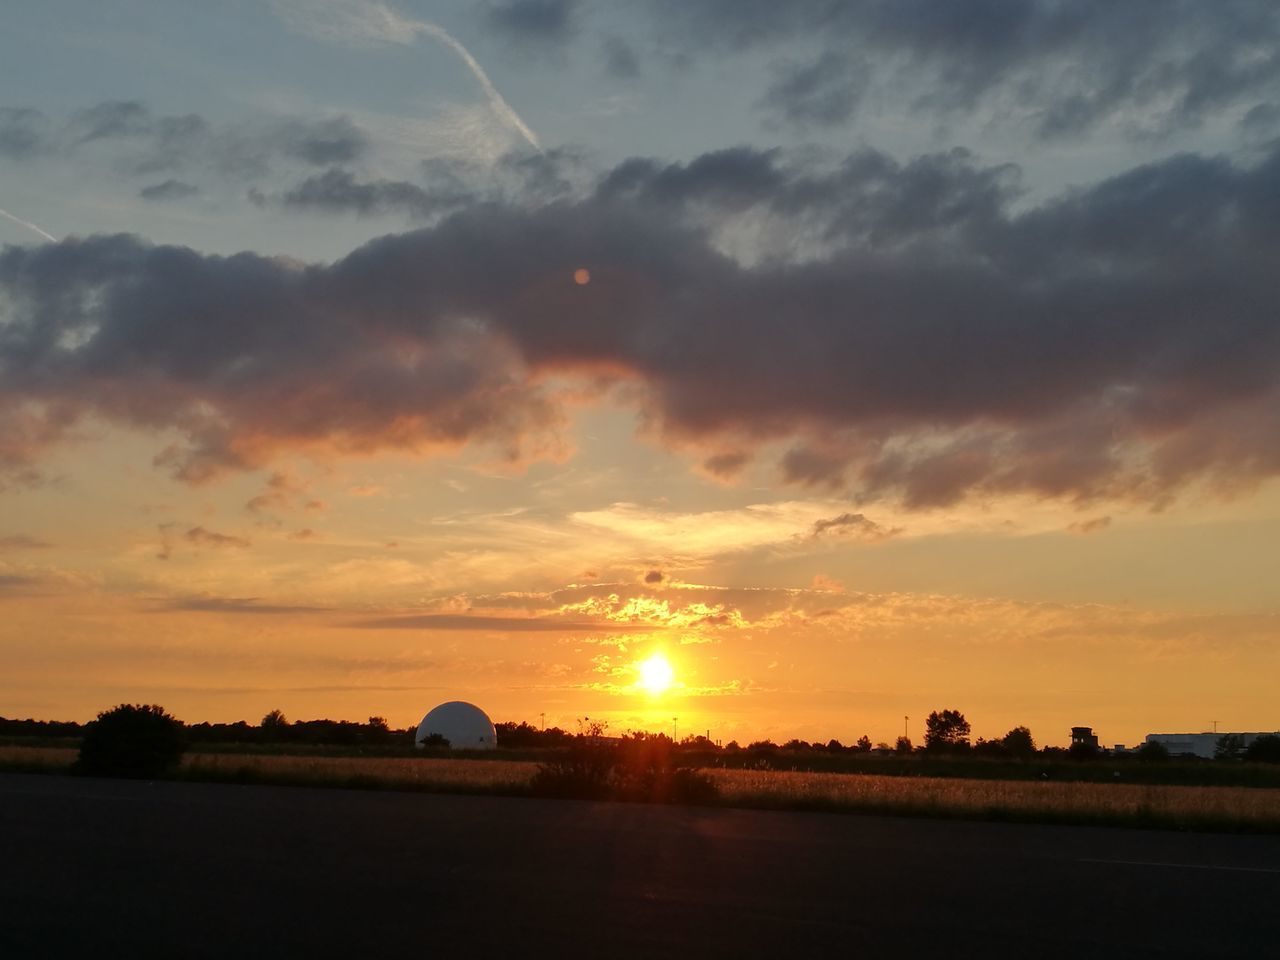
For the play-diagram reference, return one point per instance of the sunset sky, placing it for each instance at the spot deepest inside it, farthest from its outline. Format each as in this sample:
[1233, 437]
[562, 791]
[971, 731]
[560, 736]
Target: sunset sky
[861, 357]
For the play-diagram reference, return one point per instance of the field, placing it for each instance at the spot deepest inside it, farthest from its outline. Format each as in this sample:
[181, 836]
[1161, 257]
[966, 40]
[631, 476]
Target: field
[1242, 808]
[1127, 804]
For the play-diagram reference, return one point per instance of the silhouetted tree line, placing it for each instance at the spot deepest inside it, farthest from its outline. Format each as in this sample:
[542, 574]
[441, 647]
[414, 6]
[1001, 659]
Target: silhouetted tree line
[275, 727]
[524, 736]
[39, 728]
[947, 732]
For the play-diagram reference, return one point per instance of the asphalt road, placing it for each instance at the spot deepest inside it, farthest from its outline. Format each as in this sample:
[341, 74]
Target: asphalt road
[114, 868]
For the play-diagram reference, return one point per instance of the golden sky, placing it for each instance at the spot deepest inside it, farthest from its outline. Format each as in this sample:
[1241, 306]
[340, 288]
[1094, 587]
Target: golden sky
[351, 588]
[358, 355]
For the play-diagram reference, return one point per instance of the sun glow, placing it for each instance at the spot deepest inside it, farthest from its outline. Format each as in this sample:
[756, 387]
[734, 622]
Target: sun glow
[655, 674]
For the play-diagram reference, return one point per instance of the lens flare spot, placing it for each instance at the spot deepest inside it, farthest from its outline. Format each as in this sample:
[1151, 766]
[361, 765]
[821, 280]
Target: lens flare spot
[582, 276]
[655, 674]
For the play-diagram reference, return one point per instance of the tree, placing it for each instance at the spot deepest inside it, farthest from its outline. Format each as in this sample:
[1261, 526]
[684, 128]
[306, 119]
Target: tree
[131, 740]
[903, 745]
[946, 731]
[1153, 751]
[1264, 750]
[1019, 742]
[835, 746]
[1228, 747]
[275, 726]
[378, 731]
[864, 744]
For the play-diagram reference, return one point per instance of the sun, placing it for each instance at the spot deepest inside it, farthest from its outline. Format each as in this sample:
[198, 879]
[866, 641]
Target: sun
[656, 674]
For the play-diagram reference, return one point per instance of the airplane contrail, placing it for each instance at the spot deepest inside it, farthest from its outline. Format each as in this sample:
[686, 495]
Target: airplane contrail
[496, 100]
[366, 20]
[29, 225]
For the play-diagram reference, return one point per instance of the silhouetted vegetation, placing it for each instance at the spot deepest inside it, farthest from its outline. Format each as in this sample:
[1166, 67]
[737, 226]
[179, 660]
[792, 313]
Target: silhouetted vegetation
[1153, 751]
[1229, 747]
[131, 740]
[946, 731]
[1264, 750]
[41, 729]
[642, 767]
[657, 775]
[524, 736]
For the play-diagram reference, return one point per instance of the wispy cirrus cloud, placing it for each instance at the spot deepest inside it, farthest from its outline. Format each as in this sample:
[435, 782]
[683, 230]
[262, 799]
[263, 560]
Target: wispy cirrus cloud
[372, 21]
[1149, 67]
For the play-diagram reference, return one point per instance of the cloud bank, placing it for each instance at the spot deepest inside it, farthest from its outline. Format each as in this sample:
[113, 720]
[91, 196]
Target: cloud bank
[1149, 67]
[894, 329]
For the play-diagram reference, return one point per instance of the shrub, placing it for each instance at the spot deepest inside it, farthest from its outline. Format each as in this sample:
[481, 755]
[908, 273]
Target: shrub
[1264, 750]
[639, 768]
[131, 740]
[1153, 751]
[583, 771]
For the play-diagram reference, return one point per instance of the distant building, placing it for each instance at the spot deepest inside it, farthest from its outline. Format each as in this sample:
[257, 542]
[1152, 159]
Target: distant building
[464, 725]
[1084, 737]
[1199, 744]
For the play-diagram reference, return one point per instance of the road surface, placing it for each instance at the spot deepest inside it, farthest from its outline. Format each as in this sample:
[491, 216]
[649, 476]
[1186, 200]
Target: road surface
[112, 868]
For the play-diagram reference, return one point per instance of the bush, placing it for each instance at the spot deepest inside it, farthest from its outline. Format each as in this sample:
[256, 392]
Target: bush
[640, 768]
[131, 740]
[1264, 750]
[1153, 751]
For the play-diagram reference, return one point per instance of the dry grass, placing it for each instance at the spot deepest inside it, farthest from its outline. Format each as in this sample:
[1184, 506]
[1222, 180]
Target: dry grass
[1241, 808]
[411, 773]
[37, 758]
[1175, 806]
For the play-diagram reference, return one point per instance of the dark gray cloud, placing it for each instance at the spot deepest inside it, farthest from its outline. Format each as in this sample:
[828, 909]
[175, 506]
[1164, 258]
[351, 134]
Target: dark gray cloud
[111, 119]
[336, 191]
[320, 142]
[619, 58]
[537, 20]
[517, 179]
[1262, 122]
[823, 92]
[23, 132]
[933, 339]
[148, 143]
[1150, 65]
[168, 190]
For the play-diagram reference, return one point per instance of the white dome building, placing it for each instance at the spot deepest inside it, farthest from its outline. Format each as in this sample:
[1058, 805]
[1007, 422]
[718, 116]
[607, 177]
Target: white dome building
[464, 725]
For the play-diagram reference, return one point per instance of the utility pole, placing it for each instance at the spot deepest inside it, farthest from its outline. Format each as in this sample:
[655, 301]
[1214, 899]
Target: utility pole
[1215, 726]
[544, 720]
[904, 728]
[673, 729]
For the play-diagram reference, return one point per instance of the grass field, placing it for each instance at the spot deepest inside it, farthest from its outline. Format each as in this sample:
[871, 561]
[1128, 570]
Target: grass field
[1121, 804]
[391, 773]
[1239, 808]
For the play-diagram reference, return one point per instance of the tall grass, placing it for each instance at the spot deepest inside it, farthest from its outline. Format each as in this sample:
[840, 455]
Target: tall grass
[1047, 801]
[36, 759]
[1120, 804]
[391, 773]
